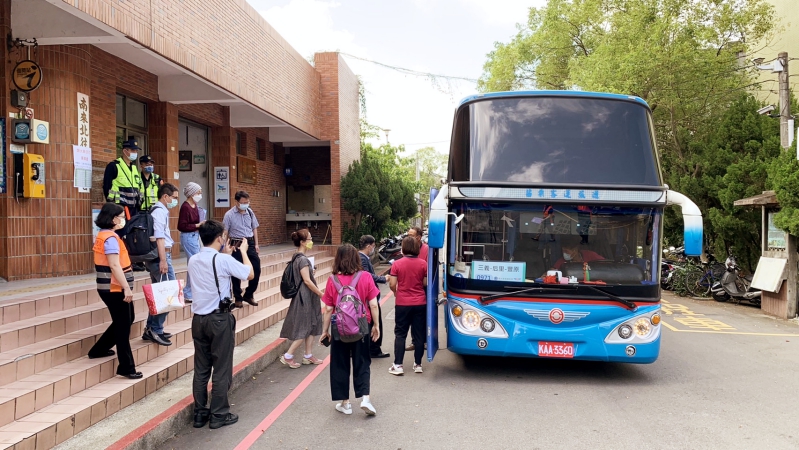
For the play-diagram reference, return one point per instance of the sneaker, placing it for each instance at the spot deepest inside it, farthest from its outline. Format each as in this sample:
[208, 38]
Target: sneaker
[367, 407]
[289, 362]
[342, 408]
[395, 370]
[227, 419]
[150, 336]
[312, 360]
[417, 368]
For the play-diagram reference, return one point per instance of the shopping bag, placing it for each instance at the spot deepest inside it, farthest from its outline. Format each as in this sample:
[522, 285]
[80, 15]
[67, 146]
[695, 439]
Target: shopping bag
[164, 297]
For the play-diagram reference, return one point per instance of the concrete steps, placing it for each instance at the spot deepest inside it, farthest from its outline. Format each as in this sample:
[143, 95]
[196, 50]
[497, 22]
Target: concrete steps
[50, 389]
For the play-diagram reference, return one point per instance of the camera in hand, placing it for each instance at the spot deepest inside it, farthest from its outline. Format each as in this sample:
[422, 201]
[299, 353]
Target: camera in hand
[235, 243]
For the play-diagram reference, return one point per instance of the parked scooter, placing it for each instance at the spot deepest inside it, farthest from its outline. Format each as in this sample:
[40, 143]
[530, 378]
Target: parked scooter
[733, 285]
[390, 249]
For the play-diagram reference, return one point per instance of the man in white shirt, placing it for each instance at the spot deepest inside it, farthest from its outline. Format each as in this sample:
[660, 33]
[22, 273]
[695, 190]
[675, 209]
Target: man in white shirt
[213, 328]
[161, 268]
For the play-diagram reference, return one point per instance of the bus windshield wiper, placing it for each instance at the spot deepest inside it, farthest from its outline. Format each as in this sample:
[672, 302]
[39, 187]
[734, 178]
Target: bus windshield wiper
[630, 305]
[554, 287]
[549, 287]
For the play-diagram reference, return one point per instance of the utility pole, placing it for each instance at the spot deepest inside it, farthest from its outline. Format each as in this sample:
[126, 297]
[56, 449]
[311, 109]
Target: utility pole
[785, 100]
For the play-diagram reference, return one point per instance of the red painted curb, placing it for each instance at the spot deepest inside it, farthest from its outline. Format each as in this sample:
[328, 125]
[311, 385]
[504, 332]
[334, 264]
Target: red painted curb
[142, 431]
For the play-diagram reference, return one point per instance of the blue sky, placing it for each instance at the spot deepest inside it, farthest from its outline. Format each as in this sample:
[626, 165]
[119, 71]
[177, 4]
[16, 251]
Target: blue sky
[449, 37]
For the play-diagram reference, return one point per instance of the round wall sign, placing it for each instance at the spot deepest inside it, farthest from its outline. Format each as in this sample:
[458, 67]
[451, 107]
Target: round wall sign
[27, 75]
[41, 132]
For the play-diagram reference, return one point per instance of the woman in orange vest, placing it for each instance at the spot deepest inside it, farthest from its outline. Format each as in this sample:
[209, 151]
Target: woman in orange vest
[115, 286]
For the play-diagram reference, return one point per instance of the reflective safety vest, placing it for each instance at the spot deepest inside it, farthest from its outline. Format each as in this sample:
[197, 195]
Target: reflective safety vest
[150, 192]
[127, 186]
[105, 279]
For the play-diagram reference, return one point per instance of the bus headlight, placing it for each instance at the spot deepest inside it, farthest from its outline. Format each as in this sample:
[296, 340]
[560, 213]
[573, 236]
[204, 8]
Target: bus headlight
[642, 327]
[470, 320]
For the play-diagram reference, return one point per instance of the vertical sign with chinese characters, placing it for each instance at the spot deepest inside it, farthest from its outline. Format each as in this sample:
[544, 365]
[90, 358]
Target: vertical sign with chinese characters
[222, 187]
[84, 139]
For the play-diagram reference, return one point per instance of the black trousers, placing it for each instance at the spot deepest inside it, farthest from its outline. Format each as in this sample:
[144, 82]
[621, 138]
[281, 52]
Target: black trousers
[342, 355]
[256, 265]
[118, 333]
[415, 318]
[375, 346]
[214, 338]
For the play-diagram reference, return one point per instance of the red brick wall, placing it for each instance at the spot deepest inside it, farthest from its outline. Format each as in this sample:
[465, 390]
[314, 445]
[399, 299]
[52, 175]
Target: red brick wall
[270, 210]
[208, 114]
[52, 236]
[225, 42]
[5, 23]
[327, 66]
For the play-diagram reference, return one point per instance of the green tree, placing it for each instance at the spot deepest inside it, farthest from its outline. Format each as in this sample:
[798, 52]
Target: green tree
[684, 58]
[377, 193]
[432, 167]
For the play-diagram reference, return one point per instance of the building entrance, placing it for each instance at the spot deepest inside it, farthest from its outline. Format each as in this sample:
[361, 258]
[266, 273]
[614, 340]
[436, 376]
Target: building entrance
[194, 158]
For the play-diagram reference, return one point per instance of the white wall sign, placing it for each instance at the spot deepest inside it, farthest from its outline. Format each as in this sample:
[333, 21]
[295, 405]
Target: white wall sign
[499, 270]
[221, 187]
[82, 178]
[84, 135]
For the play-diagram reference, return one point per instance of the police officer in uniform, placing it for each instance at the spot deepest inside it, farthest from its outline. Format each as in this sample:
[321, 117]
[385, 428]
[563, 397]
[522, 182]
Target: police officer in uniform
[150, 183]
[122, 182]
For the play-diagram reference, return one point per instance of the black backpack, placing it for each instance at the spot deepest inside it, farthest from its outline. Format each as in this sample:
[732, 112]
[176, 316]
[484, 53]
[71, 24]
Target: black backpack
[288, 285]
[138, 231]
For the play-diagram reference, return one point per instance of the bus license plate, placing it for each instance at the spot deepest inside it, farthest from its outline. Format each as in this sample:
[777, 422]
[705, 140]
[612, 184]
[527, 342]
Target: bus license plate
[556, 349]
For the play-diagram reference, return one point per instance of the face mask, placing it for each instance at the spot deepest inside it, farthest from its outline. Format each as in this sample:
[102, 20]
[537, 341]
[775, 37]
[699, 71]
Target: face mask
[567, 256]
[172, 204]
[149, 169]
[133, 156]
[197, 198]
[244, 207]
[309, 245]
[121, 224]
[222, 246]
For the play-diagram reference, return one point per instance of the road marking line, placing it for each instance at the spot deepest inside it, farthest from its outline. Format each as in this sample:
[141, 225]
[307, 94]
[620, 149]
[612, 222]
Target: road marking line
[670, 327]
[259, 430]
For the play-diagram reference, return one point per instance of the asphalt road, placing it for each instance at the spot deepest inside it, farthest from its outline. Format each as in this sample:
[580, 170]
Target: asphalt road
[724, 380]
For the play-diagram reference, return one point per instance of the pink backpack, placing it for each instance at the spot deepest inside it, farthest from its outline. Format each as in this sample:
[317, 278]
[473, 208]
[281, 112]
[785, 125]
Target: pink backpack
[350, 323]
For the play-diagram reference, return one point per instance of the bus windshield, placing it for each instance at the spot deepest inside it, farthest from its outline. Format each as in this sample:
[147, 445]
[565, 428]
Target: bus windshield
[554, 140]
[500, 245]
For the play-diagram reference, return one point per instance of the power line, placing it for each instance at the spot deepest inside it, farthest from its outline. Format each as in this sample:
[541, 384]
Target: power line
[410, 71]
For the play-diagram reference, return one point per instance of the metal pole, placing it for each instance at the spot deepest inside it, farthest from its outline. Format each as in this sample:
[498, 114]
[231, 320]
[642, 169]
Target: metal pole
[785, 100]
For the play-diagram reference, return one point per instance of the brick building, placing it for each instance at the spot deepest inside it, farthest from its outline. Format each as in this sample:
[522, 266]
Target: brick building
[201, 86]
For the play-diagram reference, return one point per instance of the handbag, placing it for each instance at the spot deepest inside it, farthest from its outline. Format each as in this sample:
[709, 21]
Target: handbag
[164, 296]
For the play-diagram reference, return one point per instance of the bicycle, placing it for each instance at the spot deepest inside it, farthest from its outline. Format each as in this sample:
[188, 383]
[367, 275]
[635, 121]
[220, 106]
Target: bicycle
[700, 278]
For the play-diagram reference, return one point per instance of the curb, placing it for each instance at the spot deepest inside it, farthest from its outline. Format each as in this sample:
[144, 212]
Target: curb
[165, 425]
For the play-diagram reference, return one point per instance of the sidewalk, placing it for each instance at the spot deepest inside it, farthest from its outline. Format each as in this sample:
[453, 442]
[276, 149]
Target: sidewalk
[34, 288]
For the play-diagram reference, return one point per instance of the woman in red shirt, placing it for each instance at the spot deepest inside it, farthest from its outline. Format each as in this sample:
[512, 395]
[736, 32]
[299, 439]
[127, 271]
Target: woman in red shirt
[346, 265]
[408, 278]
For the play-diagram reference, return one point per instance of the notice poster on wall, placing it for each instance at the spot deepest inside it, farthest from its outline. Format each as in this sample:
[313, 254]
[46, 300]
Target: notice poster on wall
[82, 178]
[222, 187]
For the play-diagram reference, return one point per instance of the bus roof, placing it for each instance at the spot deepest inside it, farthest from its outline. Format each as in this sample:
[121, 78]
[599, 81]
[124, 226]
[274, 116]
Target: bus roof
[597, 95]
